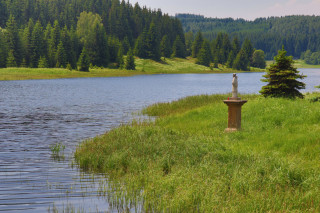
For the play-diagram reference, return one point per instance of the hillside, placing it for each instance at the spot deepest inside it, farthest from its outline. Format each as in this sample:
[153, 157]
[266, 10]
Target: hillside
[296, 33]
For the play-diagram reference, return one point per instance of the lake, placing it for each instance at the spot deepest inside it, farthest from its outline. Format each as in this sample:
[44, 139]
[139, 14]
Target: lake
[37, 114]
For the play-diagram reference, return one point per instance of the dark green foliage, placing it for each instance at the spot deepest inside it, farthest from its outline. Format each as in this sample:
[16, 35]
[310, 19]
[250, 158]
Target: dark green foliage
[13, 40]
[98, 25]
[61, 57]
[11, 60]
[126, 45]
[296, 33]
[248, 49]
[178, 49]
[311, 58]
[3, 50]
[204, 56]
[165, 47]
[282, 78]
[153, 43]
[130, 65]
[43, 62]
[120, 62]
[258, 59]
[84, 61]
[36, 45]
[141, 46]
[197, 44]
[230, 60]
[241, 62]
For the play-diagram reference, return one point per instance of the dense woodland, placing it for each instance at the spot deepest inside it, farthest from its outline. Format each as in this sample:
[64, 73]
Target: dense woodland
[73, 33]
[297, 33]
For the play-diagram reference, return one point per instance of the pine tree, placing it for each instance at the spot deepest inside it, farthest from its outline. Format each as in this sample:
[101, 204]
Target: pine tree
[241, 62]
[120, 62]
[84, 63]
[13, 40]
[130, 65]
[165, 47]
[248, 49]
[61, 57]
[153, 44]
[37, 44]
[11, 60]
[196, 46]
[43, 62]
[3, 50]
[178, 48]
[126, 45]
[204, 56]
[282, 78]
[230, 60]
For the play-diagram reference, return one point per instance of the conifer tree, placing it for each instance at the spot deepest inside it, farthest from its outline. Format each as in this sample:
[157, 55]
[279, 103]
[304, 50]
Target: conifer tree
[153, 44]
[165, 47]
[204, 56]
[3, 50]
[11, 60]
[43, 62]
[178, 48]
[248, 49]
[130, 65]
[241, 62]
[230, 60]
[282, 78]
[120, 62]
[13, 40]
[37, 44]
[126, 45]
[84, 63]
[61, 57]
[197, 44]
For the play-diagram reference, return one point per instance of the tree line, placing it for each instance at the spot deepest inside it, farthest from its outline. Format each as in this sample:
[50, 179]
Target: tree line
[56, 33]
[297, 33]
[224, 51]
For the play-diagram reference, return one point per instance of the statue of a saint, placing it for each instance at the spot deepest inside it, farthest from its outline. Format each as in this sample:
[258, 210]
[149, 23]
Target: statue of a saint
[235, 86]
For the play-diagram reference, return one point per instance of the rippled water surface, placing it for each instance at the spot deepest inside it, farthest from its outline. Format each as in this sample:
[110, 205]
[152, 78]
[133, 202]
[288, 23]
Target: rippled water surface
[36, 114]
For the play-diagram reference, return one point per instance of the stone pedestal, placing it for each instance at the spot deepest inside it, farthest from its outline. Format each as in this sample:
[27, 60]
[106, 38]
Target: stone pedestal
[234, 113]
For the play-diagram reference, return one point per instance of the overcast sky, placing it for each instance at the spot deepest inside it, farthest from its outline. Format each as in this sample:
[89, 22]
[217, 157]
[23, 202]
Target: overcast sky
[247, 9]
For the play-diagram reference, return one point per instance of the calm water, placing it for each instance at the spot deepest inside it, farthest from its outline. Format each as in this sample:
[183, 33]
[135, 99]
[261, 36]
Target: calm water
[37, 114]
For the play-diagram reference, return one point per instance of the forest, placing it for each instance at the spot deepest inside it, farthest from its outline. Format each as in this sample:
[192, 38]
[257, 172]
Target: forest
[73, 33]
[297, 33]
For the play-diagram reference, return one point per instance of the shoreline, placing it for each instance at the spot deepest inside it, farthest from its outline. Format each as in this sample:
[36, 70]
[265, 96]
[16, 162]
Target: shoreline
[143, 66]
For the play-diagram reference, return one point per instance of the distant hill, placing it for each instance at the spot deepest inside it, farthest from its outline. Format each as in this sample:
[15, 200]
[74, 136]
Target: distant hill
[296, 33]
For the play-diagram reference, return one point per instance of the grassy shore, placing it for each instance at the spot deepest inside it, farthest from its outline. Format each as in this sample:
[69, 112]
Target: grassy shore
[185, 162]
[143, 66]
[299, 64]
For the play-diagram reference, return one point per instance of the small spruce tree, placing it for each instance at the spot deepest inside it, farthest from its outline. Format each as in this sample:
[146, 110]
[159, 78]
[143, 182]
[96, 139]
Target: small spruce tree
[43, 62]
[282, 78]
[84, 63]
[120, 62]
[204, 56]
[11, 61]
[130, 61]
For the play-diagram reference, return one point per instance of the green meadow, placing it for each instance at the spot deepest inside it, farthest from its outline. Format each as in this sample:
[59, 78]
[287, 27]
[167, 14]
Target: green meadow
[143, 67]
[183, 161]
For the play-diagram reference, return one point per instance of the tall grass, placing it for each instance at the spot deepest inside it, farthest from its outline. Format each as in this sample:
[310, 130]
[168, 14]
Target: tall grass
[185, 162]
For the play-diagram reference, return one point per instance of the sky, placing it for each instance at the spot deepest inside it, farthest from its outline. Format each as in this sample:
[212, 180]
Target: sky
[246, 9]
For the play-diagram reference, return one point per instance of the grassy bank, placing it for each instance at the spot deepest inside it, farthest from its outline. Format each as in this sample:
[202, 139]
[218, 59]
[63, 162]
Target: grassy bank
[143, 66]
[299, 64]
[184, 162]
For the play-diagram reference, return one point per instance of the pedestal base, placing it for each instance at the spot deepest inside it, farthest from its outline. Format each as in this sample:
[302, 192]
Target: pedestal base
[234, 114]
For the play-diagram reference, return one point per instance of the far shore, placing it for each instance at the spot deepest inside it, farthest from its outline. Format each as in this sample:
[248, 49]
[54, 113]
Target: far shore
[143, 67]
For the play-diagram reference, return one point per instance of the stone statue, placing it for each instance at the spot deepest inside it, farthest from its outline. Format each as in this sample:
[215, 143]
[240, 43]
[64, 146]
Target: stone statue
[235, 86]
